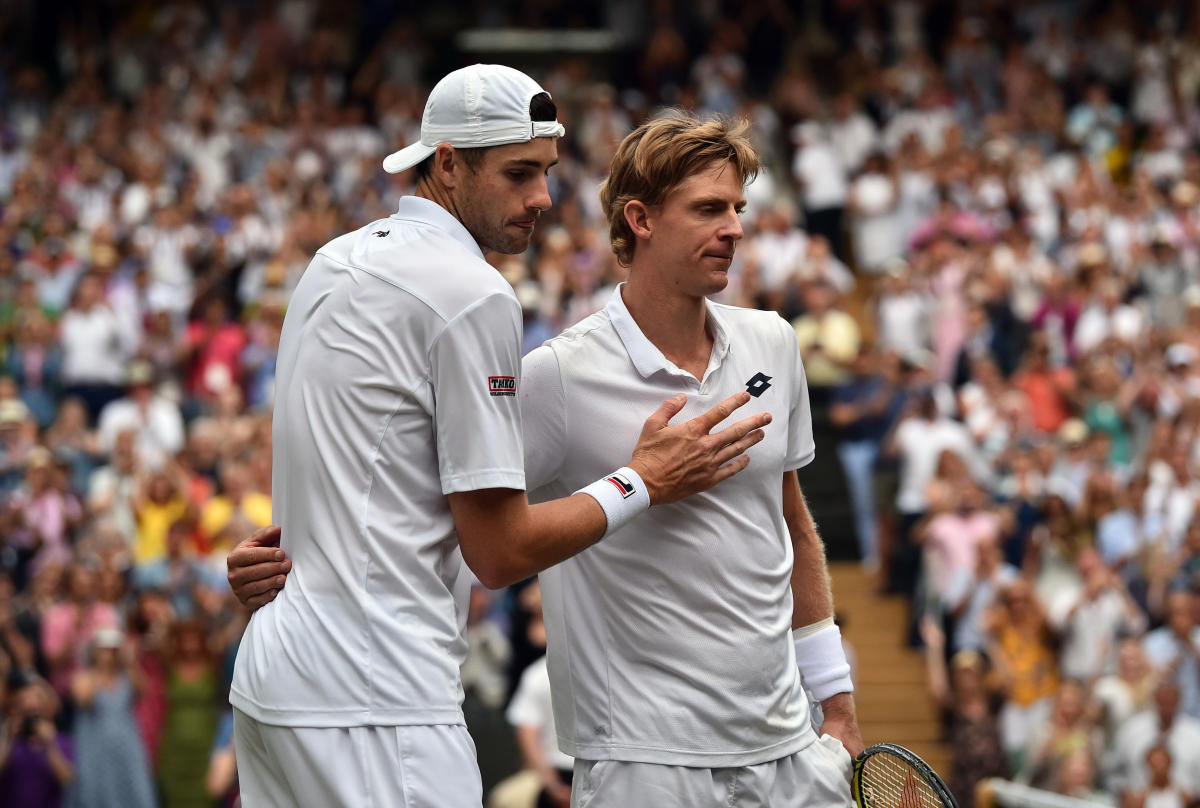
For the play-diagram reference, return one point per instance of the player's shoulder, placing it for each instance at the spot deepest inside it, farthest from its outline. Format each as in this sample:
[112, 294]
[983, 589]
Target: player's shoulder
[591, 333]
[424, 262]
[754, 323]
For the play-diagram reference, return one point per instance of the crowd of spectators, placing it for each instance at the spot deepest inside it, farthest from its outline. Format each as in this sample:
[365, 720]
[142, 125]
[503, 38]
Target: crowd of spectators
[982, 218]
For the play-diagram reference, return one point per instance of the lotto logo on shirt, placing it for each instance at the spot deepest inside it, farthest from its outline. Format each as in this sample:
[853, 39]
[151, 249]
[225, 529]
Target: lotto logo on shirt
[502, 385]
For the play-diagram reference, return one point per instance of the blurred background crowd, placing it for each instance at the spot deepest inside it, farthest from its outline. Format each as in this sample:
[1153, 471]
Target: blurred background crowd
[981, 216]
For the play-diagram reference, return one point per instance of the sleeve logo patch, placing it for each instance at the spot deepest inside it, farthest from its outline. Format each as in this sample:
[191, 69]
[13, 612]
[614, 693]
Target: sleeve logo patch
[622, 483]
[502, 385]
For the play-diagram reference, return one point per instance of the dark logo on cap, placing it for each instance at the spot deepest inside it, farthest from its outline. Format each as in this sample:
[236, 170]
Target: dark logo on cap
[381, 233]
[502, 385]
[758, 384]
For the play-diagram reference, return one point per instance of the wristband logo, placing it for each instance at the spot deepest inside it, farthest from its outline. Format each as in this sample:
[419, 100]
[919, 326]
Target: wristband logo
[622, 483]
[502, 385]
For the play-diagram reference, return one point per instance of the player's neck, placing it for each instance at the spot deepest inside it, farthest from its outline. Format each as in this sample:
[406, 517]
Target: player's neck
[427, 189]
[675, 324]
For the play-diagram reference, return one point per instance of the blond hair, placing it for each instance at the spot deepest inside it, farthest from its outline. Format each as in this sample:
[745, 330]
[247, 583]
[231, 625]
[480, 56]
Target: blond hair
[658, 156]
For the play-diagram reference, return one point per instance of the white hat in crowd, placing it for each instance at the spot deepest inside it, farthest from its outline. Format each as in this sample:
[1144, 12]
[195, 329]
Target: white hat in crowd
[1180, 353]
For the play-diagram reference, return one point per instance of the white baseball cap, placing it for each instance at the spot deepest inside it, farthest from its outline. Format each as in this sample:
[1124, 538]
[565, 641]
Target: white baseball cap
[475, 107]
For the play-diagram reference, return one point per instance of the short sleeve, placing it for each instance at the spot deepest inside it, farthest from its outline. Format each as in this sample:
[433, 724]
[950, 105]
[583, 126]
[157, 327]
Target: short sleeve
[224, 737]
[475, 364]
[526, 708]
[801, 446]
[544, 414]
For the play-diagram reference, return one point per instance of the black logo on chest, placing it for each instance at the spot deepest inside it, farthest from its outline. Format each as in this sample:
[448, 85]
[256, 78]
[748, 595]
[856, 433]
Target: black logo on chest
[758, 384]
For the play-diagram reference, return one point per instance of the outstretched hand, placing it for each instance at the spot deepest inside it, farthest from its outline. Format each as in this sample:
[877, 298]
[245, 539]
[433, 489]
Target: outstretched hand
[677, 461]
[258, 568]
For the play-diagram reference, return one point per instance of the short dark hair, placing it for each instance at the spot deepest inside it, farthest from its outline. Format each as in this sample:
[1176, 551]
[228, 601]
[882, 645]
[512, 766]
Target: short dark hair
[541, 109]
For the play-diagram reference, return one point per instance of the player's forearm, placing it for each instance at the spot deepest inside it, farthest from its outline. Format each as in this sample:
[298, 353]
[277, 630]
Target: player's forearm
[504, 539]
[529, 742]
[812, 598]
[552, 532]
[841, 721]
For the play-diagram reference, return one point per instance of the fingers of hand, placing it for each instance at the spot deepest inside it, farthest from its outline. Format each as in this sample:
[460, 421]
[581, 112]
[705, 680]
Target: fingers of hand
[258, 587]
[261, 600]
[269, 572]
[742, 428]
[251, 556]
[731, 468]
[663, 415]
[263, 537]
[732, 450]
[720, 412]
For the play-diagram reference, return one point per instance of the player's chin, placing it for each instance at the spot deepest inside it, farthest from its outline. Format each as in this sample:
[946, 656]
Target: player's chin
[514, 241]
[717, 281]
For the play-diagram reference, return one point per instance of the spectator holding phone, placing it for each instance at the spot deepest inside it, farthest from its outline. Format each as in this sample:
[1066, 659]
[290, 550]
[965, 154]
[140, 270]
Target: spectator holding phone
[36, 760]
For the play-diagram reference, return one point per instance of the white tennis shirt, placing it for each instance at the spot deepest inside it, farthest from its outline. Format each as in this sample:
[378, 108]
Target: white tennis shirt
[396, 385]
[670, 640]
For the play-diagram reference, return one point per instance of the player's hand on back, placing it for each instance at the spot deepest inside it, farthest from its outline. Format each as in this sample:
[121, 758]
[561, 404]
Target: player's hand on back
[258, 568]
[677, 461]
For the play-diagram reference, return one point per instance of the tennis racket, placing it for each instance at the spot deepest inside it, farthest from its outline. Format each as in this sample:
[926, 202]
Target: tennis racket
[890, 776]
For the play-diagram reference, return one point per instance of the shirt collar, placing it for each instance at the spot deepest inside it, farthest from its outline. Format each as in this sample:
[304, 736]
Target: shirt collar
[647, 358]
[420, 209]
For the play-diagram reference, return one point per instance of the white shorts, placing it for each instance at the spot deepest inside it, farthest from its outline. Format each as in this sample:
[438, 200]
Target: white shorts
[357, 767]
[817, 776]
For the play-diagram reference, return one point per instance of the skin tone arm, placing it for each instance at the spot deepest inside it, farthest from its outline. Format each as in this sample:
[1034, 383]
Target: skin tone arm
[812, 601]
[531, 752]
[83, 688]
[504, 539]
[63, 771]
[936, 675]
[222, 770]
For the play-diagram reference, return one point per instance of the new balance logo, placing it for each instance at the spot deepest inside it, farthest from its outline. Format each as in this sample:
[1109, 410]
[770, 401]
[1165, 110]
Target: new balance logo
[758, 384]
[623, 485]
[381, 233]
[502, 385]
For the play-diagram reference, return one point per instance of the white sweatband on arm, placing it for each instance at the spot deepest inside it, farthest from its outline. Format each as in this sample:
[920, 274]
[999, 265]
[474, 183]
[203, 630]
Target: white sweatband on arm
[822, 660]
[622, 496]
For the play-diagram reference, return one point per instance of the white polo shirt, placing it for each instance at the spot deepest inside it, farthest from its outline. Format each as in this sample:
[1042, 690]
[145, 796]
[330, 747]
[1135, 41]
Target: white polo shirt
[395, 386]
[670, 640]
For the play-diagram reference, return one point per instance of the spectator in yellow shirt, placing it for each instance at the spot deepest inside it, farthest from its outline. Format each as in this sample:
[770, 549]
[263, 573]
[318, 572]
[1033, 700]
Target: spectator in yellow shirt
[158, 502]
[236, 508]
[828, 337]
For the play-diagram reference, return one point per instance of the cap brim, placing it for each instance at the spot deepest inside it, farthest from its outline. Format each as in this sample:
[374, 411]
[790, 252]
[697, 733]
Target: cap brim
[407, 157]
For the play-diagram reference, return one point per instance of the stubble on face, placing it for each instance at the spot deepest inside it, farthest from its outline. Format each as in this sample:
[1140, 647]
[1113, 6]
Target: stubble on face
[502, 198]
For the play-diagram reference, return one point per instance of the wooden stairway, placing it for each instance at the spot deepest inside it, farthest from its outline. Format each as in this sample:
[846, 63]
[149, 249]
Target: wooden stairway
[891, 696]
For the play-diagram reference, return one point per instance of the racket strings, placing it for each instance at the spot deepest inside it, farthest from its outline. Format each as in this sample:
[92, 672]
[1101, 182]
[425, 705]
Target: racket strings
[890, 782]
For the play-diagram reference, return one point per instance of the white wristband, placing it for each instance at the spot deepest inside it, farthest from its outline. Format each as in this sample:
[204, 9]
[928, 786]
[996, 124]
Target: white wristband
[622, 495]
[822, 660]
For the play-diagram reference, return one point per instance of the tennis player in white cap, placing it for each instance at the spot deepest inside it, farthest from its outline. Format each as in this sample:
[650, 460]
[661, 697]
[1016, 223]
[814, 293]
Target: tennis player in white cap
[398, 455]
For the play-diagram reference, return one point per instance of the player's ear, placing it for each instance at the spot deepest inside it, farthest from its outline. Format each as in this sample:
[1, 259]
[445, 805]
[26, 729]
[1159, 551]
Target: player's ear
[637, 216]
[445, 162]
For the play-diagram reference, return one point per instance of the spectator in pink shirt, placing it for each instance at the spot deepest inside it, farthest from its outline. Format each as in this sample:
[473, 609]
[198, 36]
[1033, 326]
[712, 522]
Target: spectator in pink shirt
[68, 627]
[952, 536]
[49, 513]
[212, 348]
